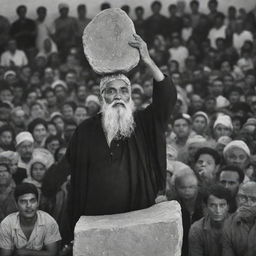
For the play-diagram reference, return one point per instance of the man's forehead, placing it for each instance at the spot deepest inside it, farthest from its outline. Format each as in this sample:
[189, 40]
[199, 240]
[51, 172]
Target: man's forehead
[116, 83]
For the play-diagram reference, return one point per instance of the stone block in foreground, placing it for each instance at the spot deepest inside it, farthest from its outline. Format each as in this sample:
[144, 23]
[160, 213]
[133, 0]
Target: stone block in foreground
[155, 231]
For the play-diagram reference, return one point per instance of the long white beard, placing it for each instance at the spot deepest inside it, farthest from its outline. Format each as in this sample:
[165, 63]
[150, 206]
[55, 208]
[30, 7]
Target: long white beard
[118, 119]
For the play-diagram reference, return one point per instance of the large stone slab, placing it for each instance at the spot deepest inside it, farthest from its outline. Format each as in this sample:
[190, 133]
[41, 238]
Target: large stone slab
[155, 231]
[105, 42]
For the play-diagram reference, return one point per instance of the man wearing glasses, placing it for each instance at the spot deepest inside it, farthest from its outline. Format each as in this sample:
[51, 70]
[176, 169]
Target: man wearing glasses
[240, 229]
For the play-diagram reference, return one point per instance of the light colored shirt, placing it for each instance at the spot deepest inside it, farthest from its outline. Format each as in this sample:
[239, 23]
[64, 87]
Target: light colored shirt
[179, 54]
[239, 39]
[18, 59]
[46, 231]
[216, 33]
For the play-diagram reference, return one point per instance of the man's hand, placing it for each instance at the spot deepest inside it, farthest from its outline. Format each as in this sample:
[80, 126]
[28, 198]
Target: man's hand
[139, 44]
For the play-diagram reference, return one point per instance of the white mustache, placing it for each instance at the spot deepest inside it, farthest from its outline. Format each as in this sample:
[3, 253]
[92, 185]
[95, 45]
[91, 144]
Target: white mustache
[117, 102]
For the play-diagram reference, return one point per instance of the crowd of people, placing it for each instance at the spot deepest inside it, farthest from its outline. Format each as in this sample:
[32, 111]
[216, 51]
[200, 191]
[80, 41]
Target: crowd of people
[47, 89]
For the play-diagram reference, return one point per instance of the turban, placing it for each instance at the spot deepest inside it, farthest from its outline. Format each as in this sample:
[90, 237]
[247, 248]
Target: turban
[196, 139]
[9, 72]
[24, 136]
[107, 79]
[225, 120]
[224, 140]
[57, 83]
[92, 98]
[237, 144]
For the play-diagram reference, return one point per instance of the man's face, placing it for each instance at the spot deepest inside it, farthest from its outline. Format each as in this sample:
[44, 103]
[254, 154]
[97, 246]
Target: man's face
[12, 46]
[38, 171]
[187, 187]
[237, 157]
[217, 208]
[25, 150]
[19, 117]
[206, 166]
[6, 95]
[117, 90]
[67, 111]
[234, 97]
[64, 12]
[53, 145]
[27, 205]
[181, 128]
[51, 98]
[41, 14]
[5, 176]
[230, 180]
[246, 196]
[81, 93]
[221, 130]
[6, 138]
[217, 88]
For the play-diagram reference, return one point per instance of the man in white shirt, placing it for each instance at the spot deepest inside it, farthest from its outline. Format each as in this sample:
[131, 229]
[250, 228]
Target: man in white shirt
[13, 56]
[218, 31]
[28, 231]
[241, 35]
[178, 52]
[45, 30]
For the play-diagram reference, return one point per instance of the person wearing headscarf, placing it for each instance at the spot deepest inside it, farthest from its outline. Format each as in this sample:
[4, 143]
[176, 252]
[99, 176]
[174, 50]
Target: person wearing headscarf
[222, 126]
[200, 123]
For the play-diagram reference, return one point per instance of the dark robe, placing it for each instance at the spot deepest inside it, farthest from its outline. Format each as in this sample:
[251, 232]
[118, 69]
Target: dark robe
[129, 174]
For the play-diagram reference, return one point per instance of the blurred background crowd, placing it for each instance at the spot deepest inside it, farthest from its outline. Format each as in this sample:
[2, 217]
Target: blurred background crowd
[47, 89]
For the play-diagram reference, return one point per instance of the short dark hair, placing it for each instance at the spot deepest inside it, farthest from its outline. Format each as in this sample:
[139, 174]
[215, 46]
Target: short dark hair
[81, 7]
[217, 191]
[32, 125]
[25, 188]
[156, 3]
[208, 151]
[181, 116]
[21, 7]
[41, 8]
[105, 6]
[194, 2]
[139, 8]
[231, 168]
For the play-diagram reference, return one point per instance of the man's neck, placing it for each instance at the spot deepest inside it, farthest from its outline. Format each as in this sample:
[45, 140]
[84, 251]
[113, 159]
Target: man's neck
[28, 222]
[181, 141]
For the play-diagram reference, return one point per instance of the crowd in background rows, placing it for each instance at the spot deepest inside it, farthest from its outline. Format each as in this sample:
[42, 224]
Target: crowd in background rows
[47, 88]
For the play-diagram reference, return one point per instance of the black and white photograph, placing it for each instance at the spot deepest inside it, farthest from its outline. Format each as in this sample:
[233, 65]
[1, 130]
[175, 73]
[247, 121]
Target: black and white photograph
[128, 128]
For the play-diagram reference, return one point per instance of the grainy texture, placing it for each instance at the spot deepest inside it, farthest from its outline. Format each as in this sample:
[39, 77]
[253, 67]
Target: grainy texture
[105, 42]
[153, 231]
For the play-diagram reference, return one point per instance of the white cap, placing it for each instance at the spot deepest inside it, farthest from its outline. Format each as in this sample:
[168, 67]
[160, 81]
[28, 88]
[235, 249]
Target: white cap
[24, 136]
[225, 120]
[93, 98]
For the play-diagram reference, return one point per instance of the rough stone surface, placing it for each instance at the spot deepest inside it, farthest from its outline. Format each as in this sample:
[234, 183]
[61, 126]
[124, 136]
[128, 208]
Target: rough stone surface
[155, 231]
[105, 42]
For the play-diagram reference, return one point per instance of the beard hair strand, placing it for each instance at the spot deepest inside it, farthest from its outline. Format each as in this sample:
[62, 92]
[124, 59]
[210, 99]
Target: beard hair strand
[118, 121]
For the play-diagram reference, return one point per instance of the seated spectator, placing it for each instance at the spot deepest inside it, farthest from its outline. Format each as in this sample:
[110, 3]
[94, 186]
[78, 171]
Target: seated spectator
[40, 163]
[7, 138]
[238, 153]
[218, 31]
[29, 230]
[239, 229]
[207, 162]
[38, 129]
[81, 113]
[182, 129]
[205, 234]
[200, 123]
[186, 187]
[7, 201]
[25, 148]
[178, 52]
[13, 57]
[240, 35]
[222, 127]
[92, 104]
[230, 177]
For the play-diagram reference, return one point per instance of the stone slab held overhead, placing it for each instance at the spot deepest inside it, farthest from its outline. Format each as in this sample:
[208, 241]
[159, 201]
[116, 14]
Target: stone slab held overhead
[105, 42]
[155, 231]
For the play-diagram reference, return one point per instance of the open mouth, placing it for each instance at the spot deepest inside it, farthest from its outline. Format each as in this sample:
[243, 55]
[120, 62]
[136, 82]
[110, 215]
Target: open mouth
[119, 104]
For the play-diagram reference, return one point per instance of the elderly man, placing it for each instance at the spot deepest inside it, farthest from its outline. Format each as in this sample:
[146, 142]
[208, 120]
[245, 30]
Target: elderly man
[240, 229]
[24, 147]
[118, 157]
